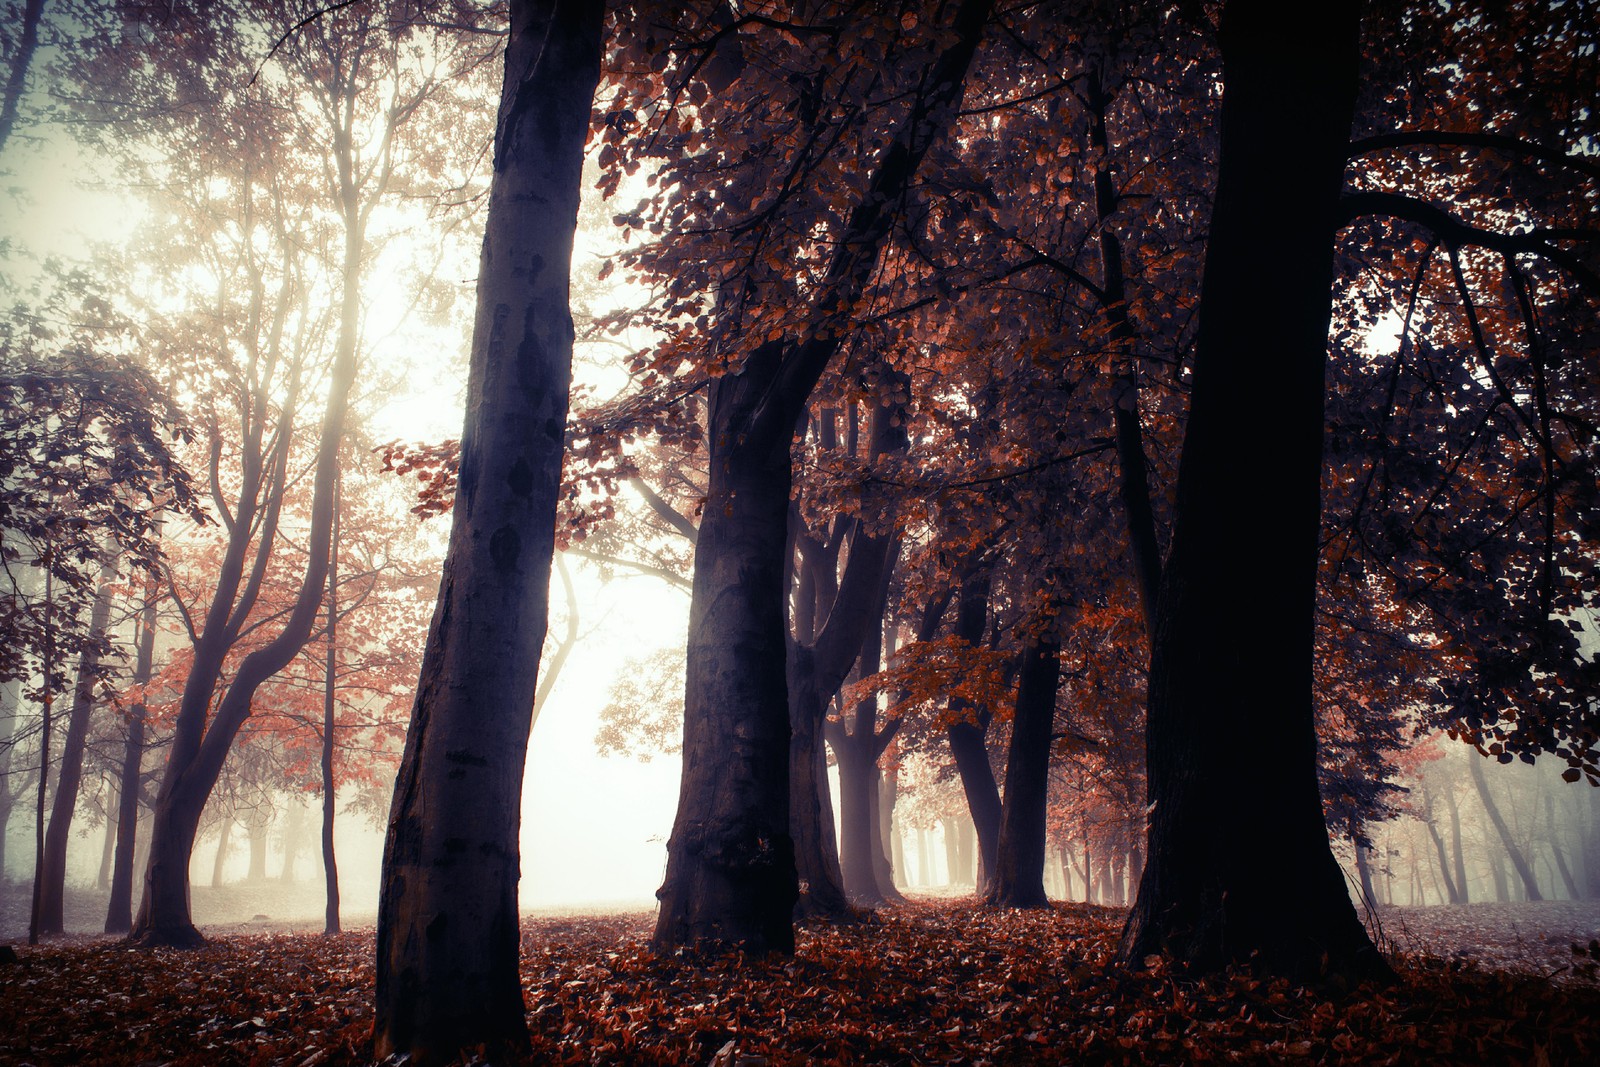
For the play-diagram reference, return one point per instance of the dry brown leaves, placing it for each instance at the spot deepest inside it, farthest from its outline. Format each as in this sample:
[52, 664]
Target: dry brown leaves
[948, 983]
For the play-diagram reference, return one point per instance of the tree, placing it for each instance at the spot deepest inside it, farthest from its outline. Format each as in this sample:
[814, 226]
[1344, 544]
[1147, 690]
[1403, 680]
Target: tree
[49, 880]
[313, 147]
[730, 869]
[1239, 864]
[447, 922]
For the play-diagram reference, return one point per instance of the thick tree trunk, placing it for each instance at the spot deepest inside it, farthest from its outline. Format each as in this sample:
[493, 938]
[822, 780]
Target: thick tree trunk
[53, 875]
[821, 884]
[447, 918]
[1017, 880]
[1239, 861]
[730, 865]
[1530, 884]
[119, 910]
[731, 876]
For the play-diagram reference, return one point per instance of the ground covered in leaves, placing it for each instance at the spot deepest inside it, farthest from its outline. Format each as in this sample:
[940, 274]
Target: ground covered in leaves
[926, 983]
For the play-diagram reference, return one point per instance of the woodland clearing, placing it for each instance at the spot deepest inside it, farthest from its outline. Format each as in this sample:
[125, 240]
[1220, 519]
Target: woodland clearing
[934, 981]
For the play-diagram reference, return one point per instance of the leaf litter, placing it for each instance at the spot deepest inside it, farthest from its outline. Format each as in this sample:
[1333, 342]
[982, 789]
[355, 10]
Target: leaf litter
[927, 983]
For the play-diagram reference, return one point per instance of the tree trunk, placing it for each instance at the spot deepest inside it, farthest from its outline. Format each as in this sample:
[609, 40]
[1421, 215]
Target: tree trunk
[1457, 856]
[221, 858]
[968, 746]
[1369, 895]
[447, 919]
[108, 845]
[821, 885]
[952, 851]
[53, 875]
[330, 686]
[119, 910]
[890, 825]
[1555, 851]
[10, 702]
[731, 876]
[1452, 889]
[259, 824]
[1017, 880]
[730, 862]
[27, 43]
[1519, 862]
[1239, 864]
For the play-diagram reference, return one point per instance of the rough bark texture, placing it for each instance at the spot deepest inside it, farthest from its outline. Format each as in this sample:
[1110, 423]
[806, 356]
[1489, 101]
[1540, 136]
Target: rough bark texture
[1239, 861]
[1017, 880]
[447, 917]
[731, 876]
[52, 875]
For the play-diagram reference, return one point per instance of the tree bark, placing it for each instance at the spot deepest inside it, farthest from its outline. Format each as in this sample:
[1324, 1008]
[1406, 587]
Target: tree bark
[967, 738]
[1017, 880]
[731, 875]
[1239, 865]
[53, 875]
[447, 919]
[119, 909]
[330, 682]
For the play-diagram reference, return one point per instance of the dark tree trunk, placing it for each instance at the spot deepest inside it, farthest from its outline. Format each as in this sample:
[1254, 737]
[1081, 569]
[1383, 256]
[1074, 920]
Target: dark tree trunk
[1017, 879]
[330, 685]
[27, 43]
[967, 737]
[730, 865]
[731, 875]
[53, 875]
[816, 853]
[1530, 884]
[447, 918]
[1239, 862]
[861, 855]
[119, 910]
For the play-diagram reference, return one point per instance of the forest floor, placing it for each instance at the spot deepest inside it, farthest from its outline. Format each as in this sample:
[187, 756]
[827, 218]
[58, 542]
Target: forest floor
[934, 981]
